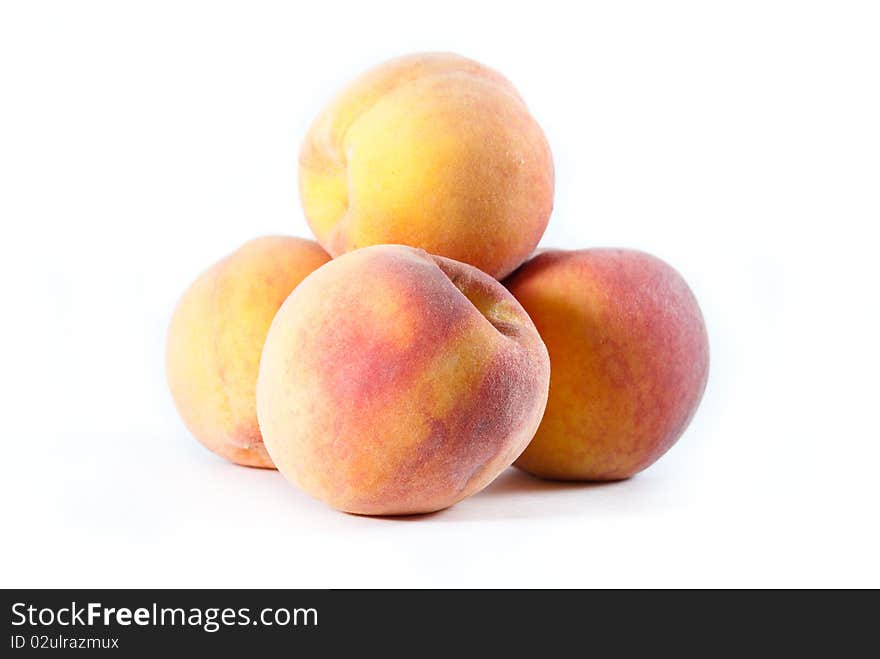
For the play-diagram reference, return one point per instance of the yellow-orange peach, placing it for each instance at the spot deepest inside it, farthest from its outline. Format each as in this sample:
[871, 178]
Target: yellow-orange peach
[434, 151]
[216, 336]
[396, 382]
[629, 355]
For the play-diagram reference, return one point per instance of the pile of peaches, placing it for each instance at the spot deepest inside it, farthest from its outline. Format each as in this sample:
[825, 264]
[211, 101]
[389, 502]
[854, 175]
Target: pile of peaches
[421, 345]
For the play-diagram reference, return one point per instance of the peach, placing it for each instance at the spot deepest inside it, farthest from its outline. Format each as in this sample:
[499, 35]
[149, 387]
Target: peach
[629, 355]
[434, 151]
[396, 382]
[216, 337]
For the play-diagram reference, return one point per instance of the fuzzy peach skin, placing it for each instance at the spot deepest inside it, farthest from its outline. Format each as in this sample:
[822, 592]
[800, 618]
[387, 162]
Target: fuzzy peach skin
[396, 382]
[630, 358]
[216, 337]
[434, 151]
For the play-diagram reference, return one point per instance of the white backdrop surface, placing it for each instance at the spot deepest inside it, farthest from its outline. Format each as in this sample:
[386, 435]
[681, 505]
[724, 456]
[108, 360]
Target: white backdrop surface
[140, 142]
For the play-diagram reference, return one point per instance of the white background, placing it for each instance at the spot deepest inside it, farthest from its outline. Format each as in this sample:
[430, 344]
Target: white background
[740, 141]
